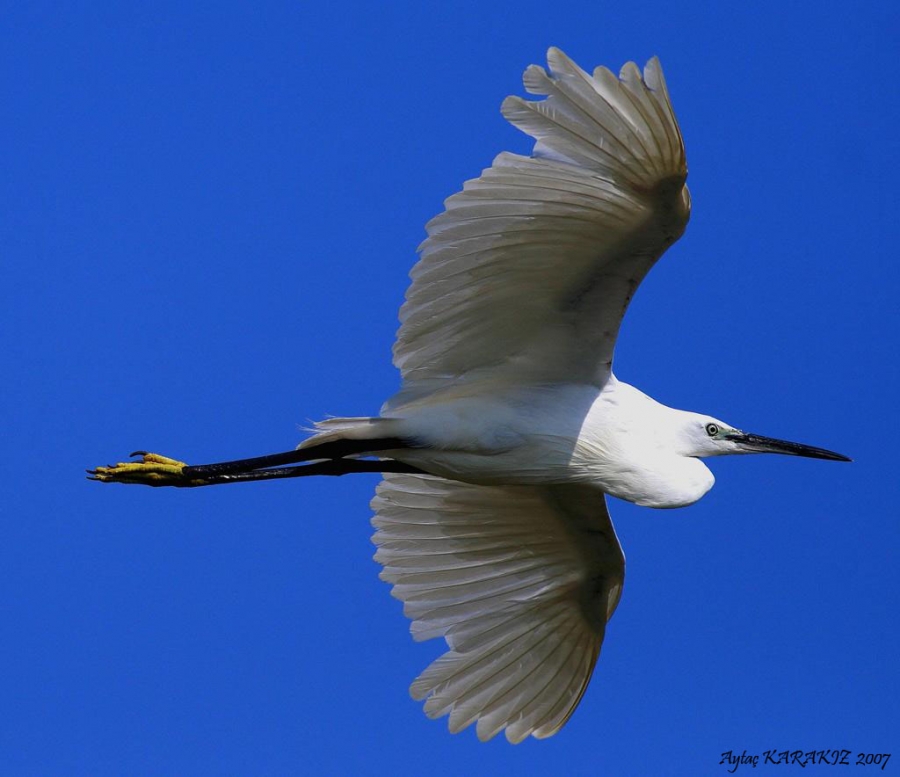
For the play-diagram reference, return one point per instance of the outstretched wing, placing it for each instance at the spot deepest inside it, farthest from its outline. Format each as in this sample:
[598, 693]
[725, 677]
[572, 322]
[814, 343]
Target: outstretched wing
[520, 582]
[530, 268]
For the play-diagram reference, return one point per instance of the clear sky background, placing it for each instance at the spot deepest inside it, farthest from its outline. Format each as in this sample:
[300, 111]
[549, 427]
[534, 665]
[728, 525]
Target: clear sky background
[207, 215]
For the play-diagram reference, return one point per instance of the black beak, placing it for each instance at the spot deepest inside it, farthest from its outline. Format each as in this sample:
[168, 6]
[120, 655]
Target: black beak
[758, 444]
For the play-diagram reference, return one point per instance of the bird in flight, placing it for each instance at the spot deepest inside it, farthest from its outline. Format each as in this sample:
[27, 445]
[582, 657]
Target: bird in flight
[510, 427]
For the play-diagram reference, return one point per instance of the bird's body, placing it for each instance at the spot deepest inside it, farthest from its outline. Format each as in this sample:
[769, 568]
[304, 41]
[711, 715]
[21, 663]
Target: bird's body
[510, 427]
[615, 439]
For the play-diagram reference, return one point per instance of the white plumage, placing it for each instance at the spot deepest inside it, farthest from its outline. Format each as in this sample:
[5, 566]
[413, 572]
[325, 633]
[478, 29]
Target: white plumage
[519, 580]
[505, 349]
[528, 271]
[510, 427]
[506, 342]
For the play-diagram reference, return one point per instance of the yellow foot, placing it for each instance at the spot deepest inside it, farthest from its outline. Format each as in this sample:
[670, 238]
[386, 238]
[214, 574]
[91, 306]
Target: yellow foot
[151, 470]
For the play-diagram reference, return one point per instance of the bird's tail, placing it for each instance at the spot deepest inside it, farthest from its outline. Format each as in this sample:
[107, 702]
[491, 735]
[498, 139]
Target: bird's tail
[360, 435]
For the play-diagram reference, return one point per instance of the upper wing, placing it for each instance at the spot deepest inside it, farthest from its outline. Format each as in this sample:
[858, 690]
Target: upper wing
[519, 580]
[530, 268]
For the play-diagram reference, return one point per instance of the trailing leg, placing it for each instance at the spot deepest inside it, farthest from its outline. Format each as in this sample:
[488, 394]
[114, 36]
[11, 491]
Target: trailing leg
[328, 457]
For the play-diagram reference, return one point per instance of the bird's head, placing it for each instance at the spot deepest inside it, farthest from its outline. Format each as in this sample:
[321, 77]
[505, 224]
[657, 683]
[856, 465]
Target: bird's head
[706, 436]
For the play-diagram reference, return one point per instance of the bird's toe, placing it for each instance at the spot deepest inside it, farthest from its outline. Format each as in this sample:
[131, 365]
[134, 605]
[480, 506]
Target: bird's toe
[151, 470]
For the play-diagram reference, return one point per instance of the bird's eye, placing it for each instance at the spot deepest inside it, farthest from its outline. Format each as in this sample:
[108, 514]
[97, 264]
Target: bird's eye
[712, 430]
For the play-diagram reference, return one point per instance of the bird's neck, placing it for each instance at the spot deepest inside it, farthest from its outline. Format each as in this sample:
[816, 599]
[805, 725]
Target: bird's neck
[629, 445]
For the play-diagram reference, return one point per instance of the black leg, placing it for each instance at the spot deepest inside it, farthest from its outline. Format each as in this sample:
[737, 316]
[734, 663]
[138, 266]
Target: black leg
[336, 449]
[156, 470]
[333, 467]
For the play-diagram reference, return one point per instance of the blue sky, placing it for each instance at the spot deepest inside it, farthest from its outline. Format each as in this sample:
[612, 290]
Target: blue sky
[208, 213]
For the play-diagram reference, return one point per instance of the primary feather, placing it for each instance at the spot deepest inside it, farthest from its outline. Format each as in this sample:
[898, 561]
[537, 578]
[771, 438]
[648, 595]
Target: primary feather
[511, 274]
[519, 580]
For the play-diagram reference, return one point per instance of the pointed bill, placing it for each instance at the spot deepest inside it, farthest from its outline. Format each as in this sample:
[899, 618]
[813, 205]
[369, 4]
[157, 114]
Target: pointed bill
[756, 443]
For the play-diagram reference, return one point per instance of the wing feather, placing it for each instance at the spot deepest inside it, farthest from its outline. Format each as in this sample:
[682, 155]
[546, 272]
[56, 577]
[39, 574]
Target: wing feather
[519, 581]
[531, 266]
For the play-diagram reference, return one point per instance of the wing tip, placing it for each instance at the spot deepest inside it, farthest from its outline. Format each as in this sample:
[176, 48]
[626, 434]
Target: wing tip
[583, 116]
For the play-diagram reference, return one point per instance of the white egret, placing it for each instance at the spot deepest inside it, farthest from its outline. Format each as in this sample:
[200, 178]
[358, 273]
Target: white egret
[510, 427]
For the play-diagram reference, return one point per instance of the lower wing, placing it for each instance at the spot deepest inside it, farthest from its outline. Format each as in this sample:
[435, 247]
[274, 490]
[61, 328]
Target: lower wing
[520, 582]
